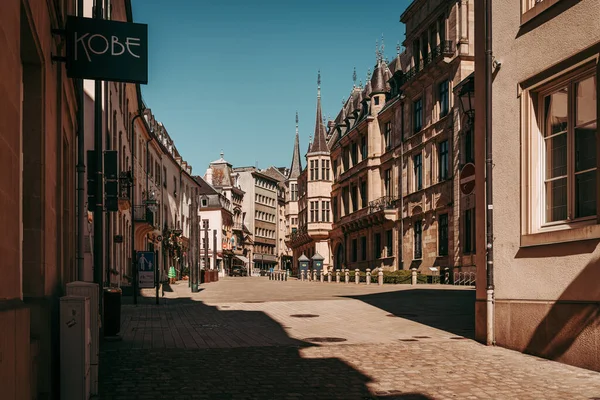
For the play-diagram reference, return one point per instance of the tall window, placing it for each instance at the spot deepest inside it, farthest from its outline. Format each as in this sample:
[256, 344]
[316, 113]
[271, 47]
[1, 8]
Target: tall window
[363, 148]
[444, 98]
[569, 131]
[363, 248]
[314, 170]
[354, 250]
[314, 211]
[363, 193]
[387, 181]
[469, 231]
[334, 201]
[325, 170]
[389, 243]
[325, 211]
[418, 115]
[443, 235]
[416, 55]
[377, 245]
[294, 192]
[418, 171]
[443, 161]
[469, 146]
[387, 135]
[418, 243]
[354, 195]
[354, 153]
[334, 165]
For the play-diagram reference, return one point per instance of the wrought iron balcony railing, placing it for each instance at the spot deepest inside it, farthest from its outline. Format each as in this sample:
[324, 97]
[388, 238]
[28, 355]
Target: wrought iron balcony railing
[382, 203]
[143, 214]
[125, 181]
[445, 48]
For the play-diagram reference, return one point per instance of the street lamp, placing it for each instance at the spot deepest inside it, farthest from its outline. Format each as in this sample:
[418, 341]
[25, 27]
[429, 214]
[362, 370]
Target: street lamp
[466, 98]
[151, 202]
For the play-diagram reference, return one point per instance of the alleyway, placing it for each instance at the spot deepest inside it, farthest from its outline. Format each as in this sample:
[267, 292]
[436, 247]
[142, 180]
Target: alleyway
[251, 338]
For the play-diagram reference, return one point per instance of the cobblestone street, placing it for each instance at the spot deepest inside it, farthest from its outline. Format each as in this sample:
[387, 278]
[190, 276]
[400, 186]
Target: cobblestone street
[251, 338]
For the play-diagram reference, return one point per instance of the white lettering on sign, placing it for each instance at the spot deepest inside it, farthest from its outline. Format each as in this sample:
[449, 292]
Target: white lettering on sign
[467, 179]
[114, 46]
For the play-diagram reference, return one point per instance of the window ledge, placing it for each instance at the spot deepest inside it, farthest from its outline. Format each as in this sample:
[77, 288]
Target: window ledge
[536, 10]
[587, 232]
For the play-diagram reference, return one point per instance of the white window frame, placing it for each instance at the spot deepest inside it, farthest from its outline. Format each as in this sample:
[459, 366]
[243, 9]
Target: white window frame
[534, 229]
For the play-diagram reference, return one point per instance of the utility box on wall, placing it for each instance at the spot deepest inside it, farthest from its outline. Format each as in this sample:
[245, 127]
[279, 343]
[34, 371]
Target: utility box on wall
[89, 289]
[75, 343]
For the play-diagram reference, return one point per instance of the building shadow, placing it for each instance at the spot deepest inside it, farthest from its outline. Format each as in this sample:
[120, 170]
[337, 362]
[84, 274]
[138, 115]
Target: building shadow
[574, 317]
[183, 348]
[446, 309]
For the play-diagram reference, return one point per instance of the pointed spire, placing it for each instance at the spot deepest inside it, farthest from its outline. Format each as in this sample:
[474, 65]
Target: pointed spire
[296, 167]
[382, 46]
[354, 76]
[320, 143]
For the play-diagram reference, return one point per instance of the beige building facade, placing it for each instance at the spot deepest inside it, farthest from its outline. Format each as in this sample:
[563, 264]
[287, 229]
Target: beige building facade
[545, 181]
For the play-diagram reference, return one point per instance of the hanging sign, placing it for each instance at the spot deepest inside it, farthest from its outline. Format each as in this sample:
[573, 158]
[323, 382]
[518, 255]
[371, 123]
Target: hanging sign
[107, 50]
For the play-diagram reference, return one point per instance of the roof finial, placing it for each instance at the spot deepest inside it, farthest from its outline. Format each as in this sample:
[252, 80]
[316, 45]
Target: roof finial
[343, 101]
[354, 76]
[296, 119]
[369, 74]
[382, 46]
[398, 49]
[377, 49]
[319, 84]
[222, 154]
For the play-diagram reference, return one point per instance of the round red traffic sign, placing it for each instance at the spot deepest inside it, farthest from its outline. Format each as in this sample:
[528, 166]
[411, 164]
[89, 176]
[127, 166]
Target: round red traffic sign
[467, 179]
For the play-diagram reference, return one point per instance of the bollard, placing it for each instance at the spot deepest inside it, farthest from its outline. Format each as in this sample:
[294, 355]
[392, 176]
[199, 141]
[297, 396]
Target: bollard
[413, 276]
[285, 275]
[279, 275]
[357, 276]
[302, 275]
[368, 276]
[380, 276]
[329, 277]
[314, 275]
[347, 278]
[337, 276]
[322, 276]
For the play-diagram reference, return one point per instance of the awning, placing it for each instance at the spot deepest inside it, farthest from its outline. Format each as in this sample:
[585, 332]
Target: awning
[242, 259]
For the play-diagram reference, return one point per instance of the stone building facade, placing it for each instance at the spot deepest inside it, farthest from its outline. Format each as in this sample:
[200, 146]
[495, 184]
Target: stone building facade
[545, 144]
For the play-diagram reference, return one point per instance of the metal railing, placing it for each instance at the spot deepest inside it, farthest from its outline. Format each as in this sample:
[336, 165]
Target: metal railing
[382, 203]
[465, 278]
[445, 48]
[143, 214]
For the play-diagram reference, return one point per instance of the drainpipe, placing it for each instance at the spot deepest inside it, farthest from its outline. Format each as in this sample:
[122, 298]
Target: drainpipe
[132, 196]
[490, 339]
[81, 209]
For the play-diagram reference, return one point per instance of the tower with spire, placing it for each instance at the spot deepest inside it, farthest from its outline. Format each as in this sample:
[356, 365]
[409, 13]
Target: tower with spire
[291, 183]
[314, 215]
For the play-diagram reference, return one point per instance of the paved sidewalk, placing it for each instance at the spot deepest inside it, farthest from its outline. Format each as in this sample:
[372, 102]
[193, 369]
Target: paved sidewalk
[251, 338]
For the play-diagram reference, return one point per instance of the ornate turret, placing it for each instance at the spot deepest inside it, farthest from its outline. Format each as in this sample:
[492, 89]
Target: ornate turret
[296, 167]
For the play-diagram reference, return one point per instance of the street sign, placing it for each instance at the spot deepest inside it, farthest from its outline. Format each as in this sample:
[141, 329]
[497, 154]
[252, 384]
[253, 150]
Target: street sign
[467, 179]
[145, 266]
[107, 50]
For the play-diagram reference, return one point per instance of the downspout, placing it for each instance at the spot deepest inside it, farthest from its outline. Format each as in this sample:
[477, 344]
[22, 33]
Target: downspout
[490, 339]
[132, 195]
[81, 209]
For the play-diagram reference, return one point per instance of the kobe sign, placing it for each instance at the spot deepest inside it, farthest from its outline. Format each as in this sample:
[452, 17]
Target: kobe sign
[107, 50]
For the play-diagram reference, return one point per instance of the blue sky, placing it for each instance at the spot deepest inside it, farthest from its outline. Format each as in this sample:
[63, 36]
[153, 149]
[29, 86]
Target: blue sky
[230, 75]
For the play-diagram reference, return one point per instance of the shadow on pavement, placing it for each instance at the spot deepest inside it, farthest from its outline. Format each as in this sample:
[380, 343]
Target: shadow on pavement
[185, 349]
[445, 309]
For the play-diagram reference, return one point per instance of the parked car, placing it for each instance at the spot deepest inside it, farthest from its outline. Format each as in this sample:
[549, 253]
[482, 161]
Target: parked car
[238, 270]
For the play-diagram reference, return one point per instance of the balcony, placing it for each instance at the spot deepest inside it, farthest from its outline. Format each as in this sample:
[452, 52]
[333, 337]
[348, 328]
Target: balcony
[382, 203]
[125, 182]
[142, 214]
[444, 49]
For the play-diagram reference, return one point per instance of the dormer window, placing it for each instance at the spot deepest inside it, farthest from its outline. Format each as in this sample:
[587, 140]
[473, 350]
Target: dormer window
[376, 100]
